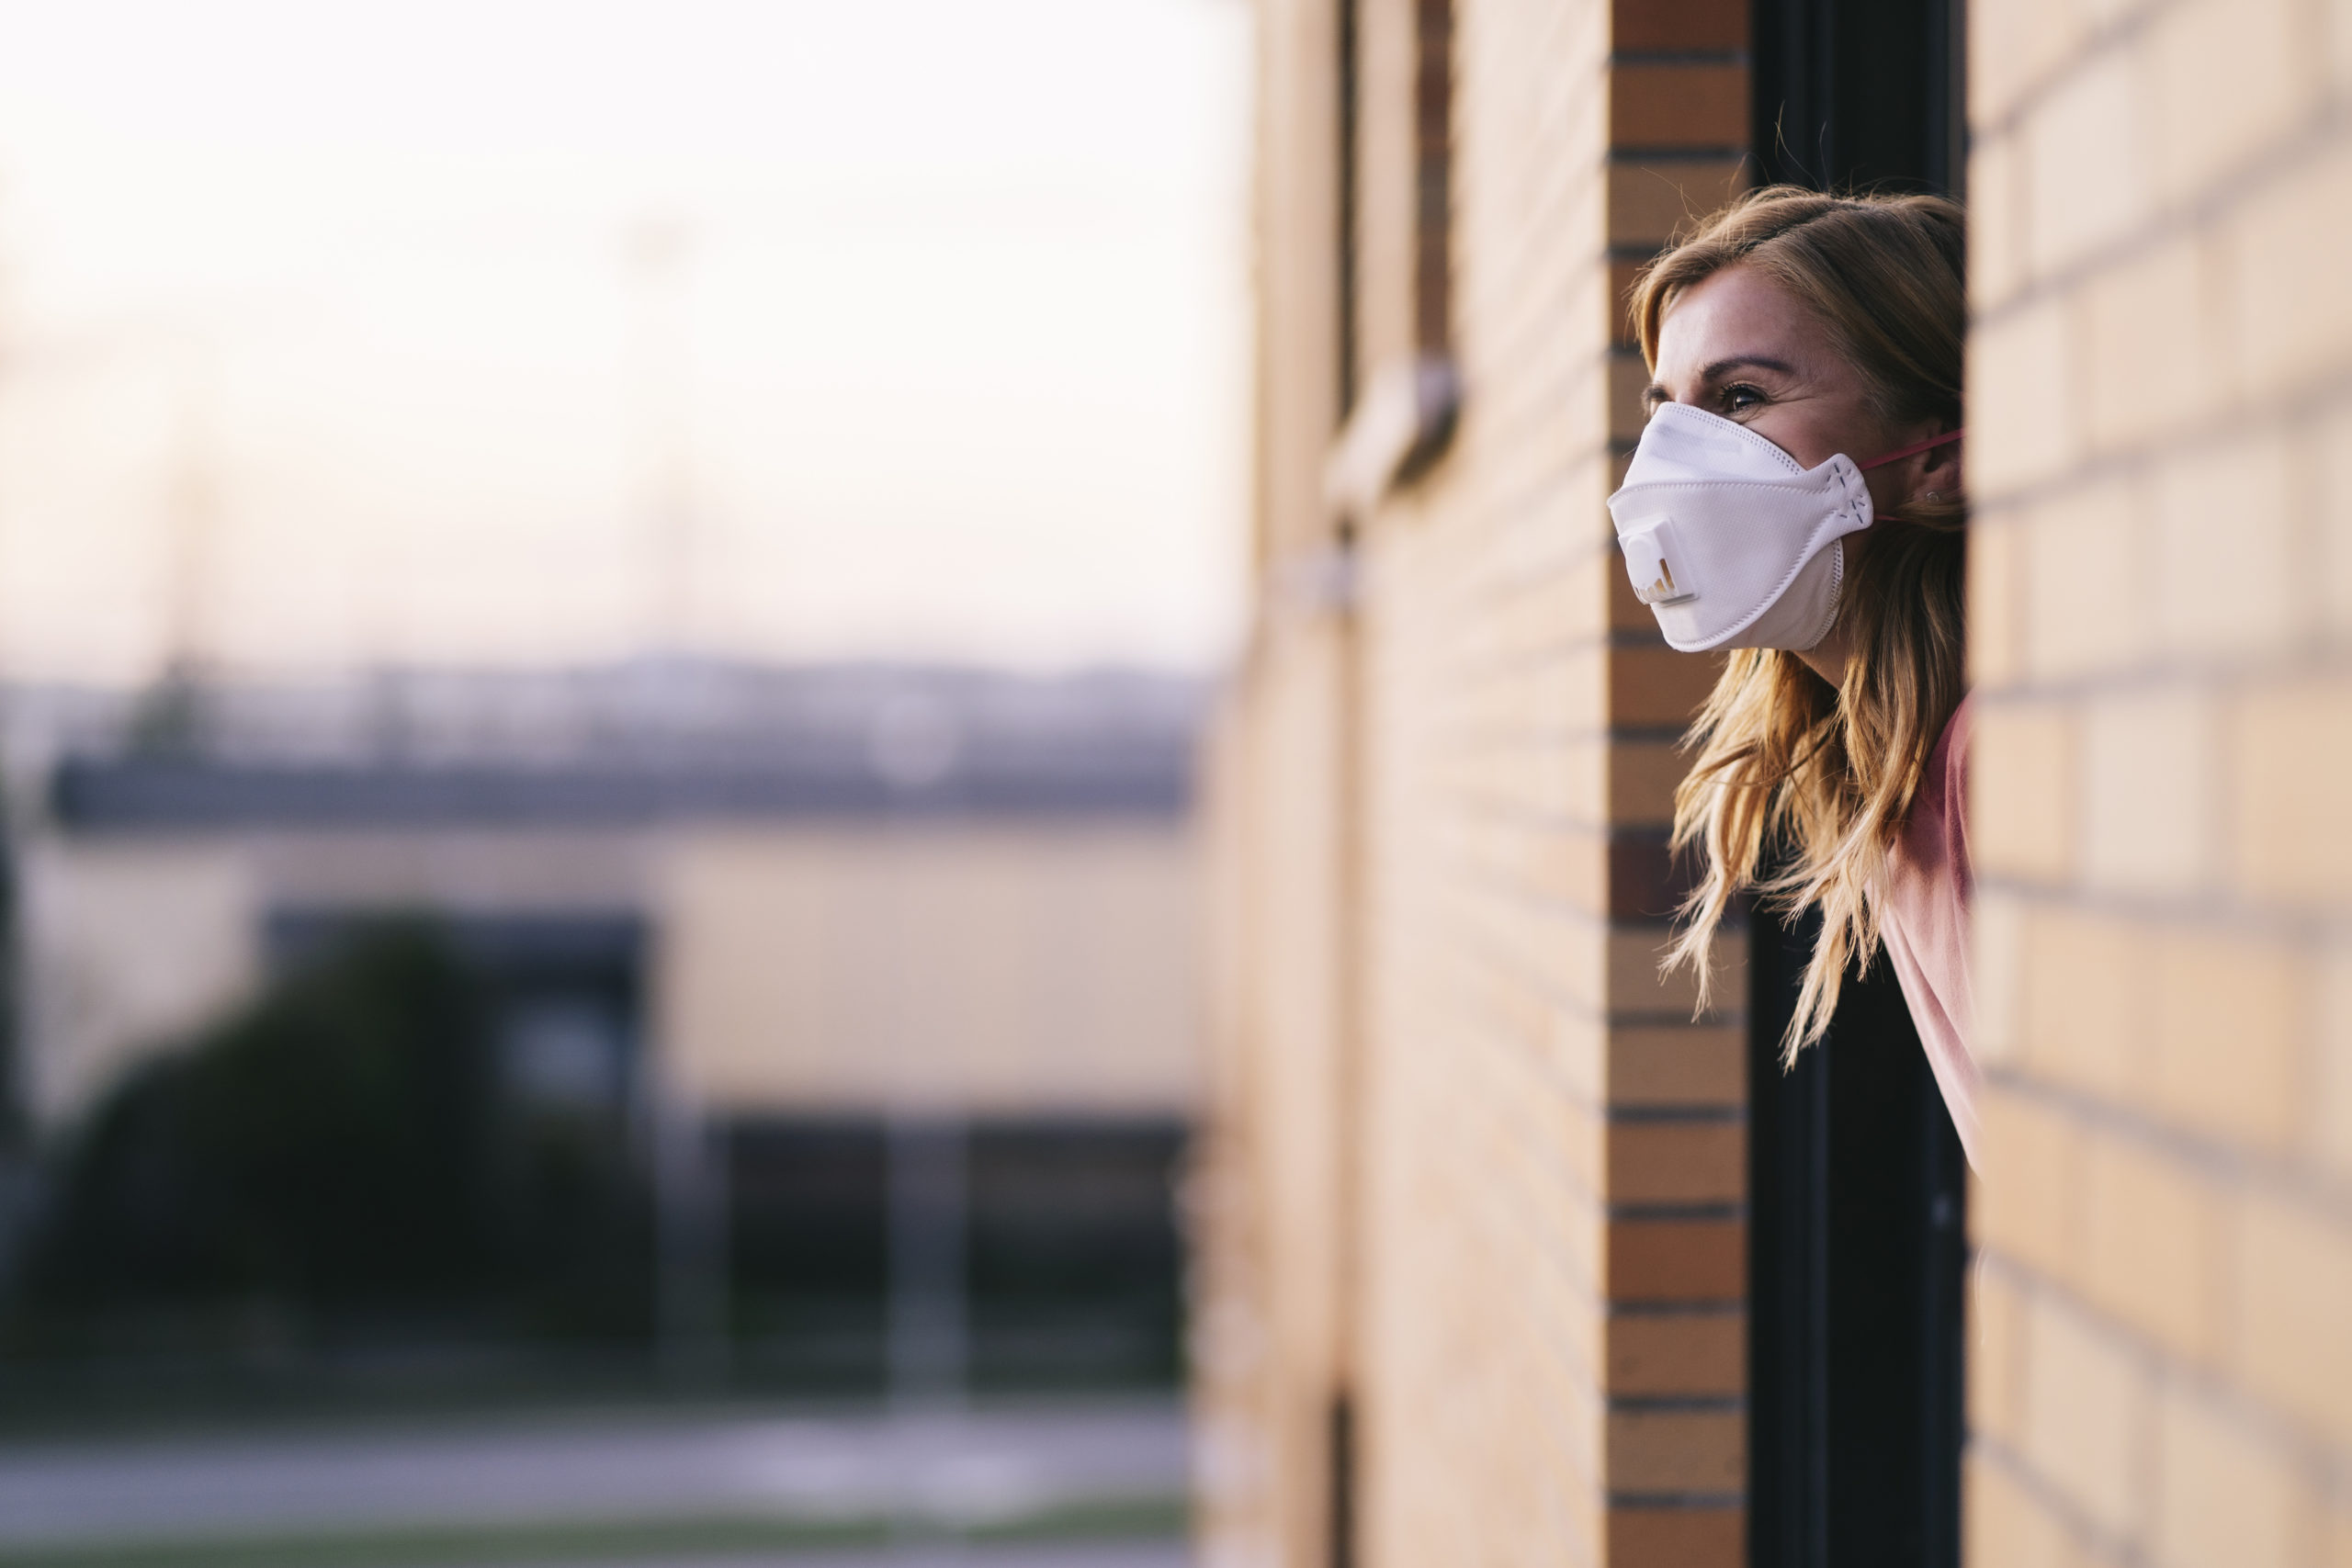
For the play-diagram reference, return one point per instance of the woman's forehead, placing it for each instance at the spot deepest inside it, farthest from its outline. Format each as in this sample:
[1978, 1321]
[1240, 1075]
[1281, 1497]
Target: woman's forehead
[1737, 313]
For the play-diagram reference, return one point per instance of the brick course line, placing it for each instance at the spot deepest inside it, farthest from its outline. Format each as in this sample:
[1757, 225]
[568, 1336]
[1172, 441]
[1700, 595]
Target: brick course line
[2099, 40]
[1692, 1212]
[2315, 1461]
[2087, 1532]
[2219, 677]
[1678, 57]
[2323, 133]
[2241, 1169]
[1667, 1309]
[2213, 909]
[2298, 412]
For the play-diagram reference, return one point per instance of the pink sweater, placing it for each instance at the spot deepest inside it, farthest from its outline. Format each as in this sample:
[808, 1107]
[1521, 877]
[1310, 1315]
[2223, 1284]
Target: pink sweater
[1924, 916]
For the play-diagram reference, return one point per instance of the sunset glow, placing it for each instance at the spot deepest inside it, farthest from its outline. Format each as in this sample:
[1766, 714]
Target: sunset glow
[324, 341]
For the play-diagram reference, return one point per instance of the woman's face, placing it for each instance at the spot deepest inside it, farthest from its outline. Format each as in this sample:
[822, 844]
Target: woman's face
[1741, 347]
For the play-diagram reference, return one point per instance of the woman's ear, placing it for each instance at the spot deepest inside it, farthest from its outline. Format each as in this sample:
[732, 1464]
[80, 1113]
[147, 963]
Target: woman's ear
[1939, 471]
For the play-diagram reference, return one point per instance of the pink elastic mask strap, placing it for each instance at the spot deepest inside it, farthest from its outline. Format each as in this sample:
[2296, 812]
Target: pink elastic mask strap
[1929, 444]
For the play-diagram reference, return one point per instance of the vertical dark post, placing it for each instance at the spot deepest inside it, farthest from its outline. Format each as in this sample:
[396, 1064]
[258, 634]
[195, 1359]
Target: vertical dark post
[928, 1339]
[16, 1154]
[1434, 177]
[1340, 1525]
[927, 1173]
[1343, 1523]
[691, 1273]
[1350, 91]
[1856, 1176]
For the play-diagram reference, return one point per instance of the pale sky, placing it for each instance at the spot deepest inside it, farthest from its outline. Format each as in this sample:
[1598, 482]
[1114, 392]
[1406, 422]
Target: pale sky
[319, 337]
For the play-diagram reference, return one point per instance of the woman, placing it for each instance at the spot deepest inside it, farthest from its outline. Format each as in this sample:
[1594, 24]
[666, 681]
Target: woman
[1796, 497]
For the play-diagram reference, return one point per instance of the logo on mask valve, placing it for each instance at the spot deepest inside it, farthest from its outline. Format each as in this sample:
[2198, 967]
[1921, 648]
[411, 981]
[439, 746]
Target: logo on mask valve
[1663, 589]
[1648, 551]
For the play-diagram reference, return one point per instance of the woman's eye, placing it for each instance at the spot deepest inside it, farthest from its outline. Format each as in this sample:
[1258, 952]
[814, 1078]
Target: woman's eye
[1740, 398]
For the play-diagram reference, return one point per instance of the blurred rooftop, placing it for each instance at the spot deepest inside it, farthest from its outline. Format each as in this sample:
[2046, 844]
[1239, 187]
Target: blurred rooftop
[630, 742]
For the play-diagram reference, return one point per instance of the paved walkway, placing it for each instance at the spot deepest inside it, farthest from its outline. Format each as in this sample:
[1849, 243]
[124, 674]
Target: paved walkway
[1149, 1555]
[984, 1470]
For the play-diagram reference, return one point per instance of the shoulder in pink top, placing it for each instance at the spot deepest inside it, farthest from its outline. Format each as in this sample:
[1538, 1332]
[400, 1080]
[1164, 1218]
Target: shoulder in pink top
[1924, 917]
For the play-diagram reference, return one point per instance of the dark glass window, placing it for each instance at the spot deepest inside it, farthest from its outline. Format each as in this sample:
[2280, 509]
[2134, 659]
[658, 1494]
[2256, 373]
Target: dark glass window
[1856, 1177]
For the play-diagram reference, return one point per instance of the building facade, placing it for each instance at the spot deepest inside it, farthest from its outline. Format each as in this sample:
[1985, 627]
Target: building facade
[849, 988]
[1475, 1257]
[1489, 1259]
[846, 892]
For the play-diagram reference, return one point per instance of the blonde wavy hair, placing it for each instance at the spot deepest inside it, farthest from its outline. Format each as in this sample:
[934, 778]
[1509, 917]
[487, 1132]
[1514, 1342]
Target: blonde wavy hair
[1800, 790]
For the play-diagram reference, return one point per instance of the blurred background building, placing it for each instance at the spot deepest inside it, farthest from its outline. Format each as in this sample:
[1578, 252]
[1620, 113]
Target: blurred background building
[1507, 1257]
[605, 618]
[777, 913]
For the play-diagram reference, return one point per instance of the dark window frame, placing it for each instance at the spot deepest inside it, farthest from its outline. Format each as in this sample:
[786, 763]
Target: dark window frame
[1857, 1183]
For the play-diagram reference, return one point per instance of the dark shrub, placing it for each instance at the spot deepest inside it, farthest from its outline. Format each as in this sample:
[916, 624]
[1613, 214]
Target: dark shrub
[325, 1147]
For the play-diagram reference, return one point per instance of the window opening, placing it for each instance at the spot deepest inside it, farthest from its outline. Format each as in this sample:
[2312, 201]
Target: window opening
[1345, 239]
[1434, 177]
[1856, 1179]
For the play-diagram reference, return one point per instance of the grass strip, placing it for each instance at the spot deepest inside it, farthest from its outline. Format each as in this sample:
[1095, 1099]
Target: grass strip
[484, 1546]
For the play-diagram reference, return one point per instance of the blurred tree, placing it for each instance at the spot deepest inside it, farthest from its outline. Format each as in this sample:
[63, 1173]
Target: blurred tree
[327, 1148]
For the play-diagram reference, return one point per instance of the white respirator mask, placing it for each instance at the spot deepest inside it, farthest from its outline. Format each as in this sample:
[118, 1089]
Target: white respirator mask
[1729, 542]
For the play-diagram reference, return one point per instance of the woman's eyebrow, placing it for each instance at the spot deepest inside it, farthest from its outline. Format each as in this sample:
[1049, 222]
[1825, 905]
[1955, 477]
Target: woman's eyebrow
[1655, 392]
[1723, 368]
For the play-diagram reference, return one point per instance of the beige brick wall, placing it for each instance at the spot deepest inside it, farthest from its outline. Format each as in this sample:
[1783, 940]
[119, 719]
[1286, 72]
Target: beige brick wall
[1268, 1213]
[1472, 1165]
[1269, 1210]
[2161, 416]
